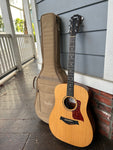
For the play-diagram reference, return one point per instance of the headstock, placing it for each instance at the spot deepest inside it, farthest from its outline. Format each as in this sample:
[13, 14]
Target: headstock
[75, 23]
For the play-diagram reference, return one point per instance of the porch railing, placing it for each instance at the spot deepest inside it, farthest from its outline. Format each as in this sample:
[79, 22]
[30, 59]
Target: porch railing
[7, 58]
[25, 43]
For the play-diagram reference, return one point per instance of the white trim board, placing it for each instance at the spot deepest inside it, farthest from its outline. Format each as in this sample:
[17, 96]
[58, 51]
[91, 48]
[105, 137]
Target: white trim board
[99, 84]
[108, 64]
[35, 16]
[102, 85]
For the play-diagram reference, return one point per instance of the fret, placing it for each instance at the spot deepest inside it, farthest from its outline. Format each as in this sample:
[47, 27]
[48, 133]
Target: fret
[70, 85]
[71, 47]
[71, 60]
[71, 56]
[70, 67]
[71, 63]
[71, 52]
[70, 71]
[75, 21]
[70, 80]
[71, 77]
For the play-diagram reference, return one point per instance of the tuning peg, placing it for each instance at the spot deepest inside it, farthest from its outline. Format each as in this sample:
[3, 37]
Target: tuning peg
[82, 18]
[69, 31]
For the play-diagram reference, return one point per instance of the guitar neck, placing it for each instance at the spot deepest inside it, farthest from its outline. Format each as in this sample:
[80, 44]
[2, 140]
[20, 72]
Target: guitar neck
[71, 63]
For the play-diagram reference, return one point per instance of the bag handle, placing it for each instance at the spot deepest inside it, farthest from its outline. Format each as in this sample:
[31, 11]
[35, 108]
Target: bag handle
[34, 82]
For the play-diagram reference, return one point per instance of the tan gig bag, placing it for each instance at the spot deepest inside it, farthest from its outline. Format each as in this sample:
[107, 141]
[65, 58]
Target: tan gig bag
[51, 74]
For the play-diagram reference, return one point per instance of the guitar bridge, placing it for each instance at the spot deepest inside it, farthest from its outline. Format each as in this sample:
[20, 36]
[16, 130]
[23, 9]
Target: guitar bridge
[69, 121]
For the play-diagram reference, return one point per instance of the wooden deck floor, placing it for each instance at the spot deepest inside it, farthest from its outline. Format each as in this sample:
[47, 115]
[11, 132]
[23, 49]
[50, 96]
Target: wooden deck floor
[20, 128]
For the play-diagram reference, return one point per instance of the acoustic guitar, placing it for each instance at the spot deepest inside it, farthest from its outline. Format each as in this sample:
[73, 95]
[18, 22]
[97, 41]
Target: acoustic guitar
[69, 120]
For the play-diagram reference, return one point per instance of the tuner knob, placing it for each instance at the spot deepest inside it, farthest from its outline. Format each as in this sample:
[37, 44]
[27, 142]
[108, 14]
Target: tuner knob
[82, 18]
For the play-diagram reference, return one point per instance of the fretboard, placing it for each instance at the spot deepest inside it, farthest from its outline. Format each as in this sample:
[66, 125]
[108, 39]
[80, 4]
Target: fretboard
[71, 63]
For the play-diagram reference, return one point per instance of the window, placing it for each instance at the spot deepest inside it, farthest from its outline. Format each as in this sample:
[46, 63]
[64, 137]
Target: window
[17, 15]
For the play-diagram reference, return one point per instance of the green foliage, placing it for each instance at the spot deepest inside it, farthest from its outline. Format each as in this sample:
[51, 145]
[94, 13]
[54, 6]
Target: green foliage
[19, 23]
[34, 32]
[1, 23]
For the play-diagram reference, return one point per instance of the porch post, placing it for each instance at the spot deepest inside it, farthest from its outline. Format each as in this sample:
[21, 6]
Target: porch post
[29, 22]
[9, 29]
[35, 20]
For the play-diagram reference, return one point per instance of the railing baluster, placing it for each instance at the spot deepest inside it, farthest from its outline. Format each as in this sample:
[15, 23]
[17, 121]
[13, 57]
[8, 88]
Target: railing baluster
[25, 43]
[12, 52]
[19, 44]
[2, 62]
[6, 52]
[9, 50]
[4, 56]
[7, 60]
[7, 57]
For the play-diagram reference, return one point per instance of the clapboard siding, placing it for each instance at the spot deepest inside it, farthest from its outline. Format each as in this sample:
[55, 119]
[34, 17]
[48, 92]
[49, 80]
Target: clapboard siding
[90, 42]
[85, 64]
[95, 17]
[39, 1]
[86, 43]
[61, 6]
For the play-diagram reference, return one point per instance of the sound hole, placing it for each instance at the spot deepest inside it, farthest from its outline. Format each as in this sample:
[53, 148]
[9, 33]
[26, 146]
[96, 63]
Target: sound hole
[70, 103]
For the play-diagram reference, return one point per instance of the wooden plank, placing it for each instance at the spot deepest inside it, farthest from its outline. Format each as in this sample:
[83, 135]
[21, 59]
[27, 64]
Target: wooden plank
[90, 46]
[86, 64]
[95, 17]
[61, 6]
[38, 1]
[86, 43]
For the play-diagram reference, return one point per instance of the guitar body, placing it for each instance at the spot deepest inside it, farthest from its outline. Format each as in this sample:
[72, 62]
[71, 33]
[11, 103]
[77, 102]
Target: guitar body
[72, 127]
[69, 120]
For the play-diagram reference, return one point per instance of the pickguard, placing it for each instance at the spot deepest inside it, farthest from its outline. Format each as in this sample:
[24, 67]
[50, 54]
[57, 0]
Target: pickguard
[76, 114]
